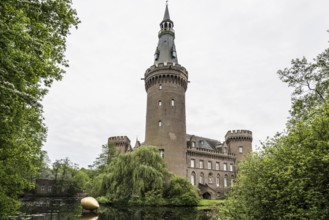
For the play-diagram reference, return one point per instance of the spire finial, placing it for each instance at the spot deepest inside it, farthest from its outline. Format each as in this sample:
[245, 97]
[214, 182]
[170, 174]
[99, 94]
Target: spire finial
[166, 2]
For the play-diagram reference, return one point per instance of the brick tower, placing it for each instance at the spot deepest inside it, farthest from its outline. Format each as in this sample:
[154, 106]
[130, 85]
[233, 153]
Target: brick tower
[239, 143]
[166, 84]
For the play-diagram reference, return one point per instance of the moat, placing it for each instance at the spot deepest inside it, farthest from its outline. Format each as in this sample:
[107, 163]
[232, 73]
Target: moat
[65, 209]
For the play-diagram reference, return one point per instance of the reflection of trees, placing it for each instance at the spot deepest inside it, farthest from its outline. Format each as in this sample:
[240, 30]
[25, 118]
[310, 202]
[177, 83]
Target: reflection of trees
[123, 213]
[64, 209]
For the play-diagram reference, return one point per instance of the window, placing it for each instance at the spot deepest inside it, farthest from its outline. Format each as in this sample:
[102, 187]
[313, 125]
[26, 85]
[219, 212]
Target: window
[201, 142]
[232, 181]
[192, 163]
[210, 178]
[160, 103]
[42, 188]
[209, 165]
[231, 167]
[193, 178]
[240, 149]
[201, 178]
[193, 143]
[225, 181]
[201, 164]
[172, 102]
[160, 86]
[217, 165]
[217, 180]
[161, 153]
[49, 189]
[160, 123]
[225, 166]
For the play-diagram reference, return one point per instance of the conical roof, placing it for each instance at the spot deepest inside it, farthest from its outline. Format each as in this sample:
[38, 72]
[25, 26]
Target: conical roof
[166, 14]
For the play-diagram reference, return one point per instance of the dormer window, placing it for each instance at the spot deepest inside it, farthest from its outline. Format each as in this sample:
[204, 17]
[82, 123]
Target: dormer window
[156, 56]
[173, 54]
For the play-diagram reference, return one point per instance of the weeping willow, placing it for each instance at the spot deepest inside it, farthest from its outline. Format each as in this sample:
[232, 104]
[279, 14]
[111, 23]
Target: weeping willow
[141, 177]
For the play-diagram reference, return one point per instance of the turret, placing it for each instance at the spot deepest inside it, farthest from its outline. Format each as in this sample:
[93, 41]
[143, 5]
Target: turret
[239, 143]
[121, 143]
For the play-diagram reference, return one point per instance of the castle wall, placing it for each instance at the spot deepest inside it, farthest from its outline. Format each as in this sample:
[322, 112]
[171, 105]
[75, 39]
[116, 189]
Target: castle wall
[213, 176]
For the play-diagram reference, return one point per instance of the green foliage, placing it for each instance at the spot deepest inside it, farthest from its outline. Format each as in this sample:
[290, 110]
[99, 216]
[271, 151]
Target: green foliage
[132, 175]
[108, 154]
[69, 180]
[310, 82]
[182, 193]
[288, 179]
[139, 178]
[80, 180]
[32, 45]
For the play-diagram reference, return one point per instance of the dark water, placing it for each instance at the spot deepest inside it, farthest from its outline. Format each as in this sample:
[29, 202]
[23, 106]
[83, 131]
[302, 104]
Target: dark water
[65, 209]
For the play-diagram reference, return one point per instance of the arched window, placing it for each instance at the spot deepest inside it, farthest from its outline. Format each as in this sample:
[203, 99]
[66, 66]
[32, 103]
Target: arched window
[225, 181]
[193, 178]
[232, 180]
[193, 143]
[160, 86]
[160, 123]
[201, 178]
[160, 103]
[210, 178]
[172, 102]
[217, 180]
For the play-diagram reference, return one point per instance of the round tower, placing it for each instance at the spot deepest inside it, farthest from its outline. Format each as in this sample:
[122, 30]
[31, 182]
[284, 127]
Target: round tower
[239, 143]
[166, 84]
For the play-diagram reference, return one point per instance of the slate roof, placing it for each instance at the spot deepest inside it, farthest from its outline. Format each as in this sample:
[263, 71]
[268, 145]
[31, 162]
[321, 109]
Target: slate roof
[202, 142]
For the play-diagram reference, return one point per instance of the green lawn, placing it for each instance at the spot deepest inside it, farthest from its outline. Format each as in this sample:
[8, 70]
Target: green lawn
[206, 202]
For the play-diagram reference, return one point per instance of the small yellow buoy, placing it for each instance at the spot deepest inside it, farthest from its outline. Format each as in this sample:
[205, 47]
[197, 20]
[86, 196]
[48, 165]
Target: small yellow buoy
[89, 203]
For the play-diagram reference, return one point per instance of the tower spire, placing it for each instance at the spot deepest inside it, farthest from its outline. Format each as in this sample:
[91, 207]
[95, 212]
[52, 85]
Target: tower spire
[166, 15]
[166, 50]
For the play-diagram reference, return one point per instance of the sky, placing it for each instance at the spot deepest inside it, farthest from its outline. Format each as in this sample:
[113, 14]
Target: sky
[232, 50]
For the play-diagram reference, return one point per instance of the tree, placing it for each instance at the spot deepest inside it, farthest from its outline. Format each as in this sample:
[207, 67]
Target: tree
[310, 82]
[288, 179]
[64, 172]
[141, 178]
[32, 45]
[104, 158]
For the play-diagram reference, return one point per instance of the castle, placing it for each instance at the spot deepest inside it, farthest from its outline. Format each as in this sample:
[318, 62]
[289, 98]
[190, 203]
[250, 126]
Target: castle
[209, 164]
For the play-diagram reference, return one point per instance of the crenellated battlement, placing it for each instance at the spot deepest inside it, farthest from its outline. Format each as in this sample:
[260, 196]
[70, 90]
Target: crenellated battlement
[119, 140]
[166, 73]
[238, 135]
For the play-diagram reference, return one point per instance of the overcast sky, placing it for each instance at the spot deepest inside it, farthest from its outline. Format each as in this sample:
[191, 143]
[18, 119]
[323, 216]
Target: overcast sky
[232, 50]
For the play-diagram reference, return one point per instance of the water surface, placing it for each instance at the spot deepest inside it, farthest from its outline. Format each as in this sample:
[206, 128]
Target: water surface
[67, 209]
